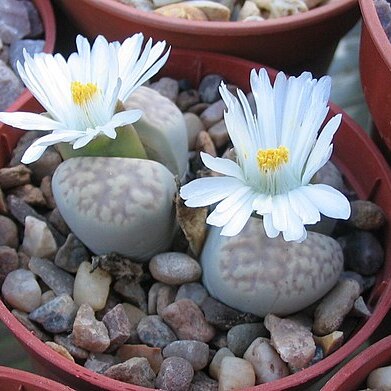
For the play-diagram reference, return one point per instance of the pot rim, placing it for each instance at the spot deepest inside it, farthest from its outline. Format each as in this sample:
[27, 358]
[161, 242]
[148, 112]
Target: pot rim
[376, 30]
[295, 380]
[26, 379]
[234, 28]
[368, 360]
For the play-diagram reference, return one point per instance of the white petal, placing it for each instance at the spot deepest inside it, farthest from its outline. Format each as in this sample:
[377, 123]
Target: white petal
[83, 141]
[207, 191]
[263, 204]
[223, 166]
[32, 154]
[270, 230]
[219, 219]
[29, 121]
[303, 207]
[233, 199]
[238, 221]
[58, 137]
[125, 118]
[329, 201]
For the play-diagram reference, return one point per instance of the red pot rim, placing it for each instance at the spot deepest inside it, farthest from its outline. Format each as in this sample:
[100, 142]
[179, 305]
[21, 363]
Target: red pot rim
[381, 296]
[375, 29]
[46, 13]
[369, 359]
[270, 26]
[16, 377]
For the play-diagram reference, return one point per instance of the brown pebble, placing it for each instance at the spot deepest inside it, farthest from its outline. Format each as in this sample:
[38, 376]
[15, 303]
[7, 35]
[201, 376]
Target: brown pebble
[152, 354]
[14, 176]
[60, 350]
[205, 144]
[30, 194]
[330, 343]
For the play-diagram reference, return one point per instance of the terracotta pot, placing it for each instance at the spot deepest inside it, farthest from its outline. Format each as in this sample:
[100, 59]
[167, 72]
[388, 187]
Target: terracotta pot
[16, 380]
[354, 153]
[353, 375]
[46, 13]
[375, 69]
[292, 44]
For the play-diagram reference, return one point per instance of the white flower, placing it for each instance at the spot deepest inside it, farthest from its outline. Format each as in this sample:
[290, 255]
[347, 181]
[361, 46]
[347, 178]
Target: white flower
[81, 94]
[278, 152]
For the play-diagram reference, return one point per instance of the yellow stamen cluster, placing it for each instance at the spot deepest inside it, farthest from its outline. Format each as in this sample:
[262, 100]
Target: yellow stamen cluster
[81, 93]
[273, 158]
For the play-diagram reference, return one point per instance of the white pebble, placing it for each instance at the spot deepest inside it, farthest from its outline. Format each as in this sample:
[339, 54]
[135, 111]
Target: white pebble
[235, 373]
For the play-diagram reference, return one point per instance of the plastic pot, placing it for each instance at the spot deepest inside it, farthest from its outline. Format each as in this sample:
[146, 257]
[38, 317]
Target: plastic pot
[16, 380]
[292, 44]
[354, 153]
[375, 69]
[46, 13]
[353, 375]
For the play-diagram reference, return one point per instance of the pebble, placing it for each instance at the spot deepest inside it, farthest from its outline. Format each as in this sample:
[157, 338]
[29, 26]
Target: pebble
[333, 307]
[14, 20]
[249, 9]
[55, 278]
[360, 309]
[46, 189]
[292, 341]
[268, 365]
[14, 176]
[71, 254]
[188, 321]
[60, 350]
[223, 316]
[195, 352]
[175, 374]
[330, 343]
[215, 364]
[118, 326]
[235, 373]
[194, 125]
[213, 10]
[8, 233]
[100, 362]
[30, 326]
[366, 215]
[32, 46]
[204, 143]
[380, 379]
[21, 290]
[38, 241]
[167, 87]
[30, 194]
[193, 291]
[10, 86]
[363, 253]
[166, 296]
[174, 268]
[57, 221]
[134, 315]
[91, 287]
[46, 164]
[152, 354]
[219, 134]
[36, 27]
[240, 337]
[187, 98]
[89, 333]
[182, 11]
[57, 315]
[202, 382]
[132, 292]
[152, 297]
[209, 88]
[47, 296]
[135, 371]
[213, 114]
[9, 261]
[3, 204]
[67, 342]
[154, 332]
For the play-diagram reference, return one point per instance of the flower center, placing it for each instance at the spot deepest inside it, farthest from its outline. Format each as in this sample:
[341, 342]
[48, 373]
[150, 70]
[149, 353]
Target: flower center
[273, 158]
[82, 93]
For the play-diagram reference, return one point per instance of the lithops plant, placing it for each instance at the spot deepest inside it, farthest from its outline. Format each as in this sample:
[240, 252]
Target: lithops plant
[161, 128]
[257, 274]
[112, 196]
